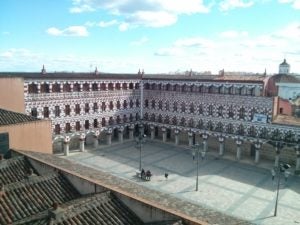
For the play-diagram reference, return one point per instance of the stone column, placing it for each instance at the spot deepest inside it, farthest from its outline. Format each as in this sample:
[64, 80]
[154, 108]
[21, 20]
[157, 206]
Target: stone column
[176, 132]
[221, 146]
[297, 169]
[141, 129]
[96, 142]
[108, 136]
[164, 134]
[81, 142]
[238, 149]
[120, 134]
[190, 138]
[257, 146]
[205, 137]
[152, 131]
[131, 128]
[66, 145]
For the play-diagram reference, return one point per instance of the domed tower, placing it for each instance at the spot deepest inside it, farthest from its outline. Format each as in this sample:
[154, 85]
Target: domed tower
[284, 67]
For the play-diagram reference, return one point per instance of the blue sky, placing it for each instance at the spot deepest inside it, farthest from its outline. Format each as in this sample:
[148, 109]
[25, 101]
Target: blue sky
[159, 36]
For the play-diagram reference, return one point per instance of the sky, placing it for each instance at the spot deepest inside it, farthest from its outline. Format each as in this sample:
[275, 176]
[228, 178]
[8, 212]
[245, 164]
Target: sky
[157, 36]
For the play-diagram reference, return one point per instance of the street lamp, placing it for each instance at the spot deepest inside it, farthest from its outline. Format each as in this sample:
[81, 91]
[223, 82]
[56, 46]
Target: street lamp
[139, 141]
[282, 168]
[197, 148]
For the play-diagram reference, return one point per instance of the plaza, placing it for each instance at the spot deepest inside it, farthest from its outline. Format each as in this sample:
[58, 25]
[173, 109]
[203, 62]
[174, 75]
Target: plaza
[240, 189]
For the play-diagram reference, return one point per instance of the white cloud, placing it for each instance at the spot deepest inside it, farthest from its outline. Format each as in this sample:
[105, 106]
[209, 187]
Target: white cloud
[79, 31]
[173, 51]
[194, 42]
[226, 5]
[149, 13]
[290, 31]
[233, 34]
[123, 26]
[139, 42]
[295, 3]
[107, 23]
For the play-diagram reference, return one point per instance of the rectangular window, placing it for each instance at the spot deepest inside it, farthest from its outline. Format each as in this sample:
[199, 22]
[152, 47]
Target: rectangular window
[46, 112]
[57, 111]
[77, 109]
[67, 110]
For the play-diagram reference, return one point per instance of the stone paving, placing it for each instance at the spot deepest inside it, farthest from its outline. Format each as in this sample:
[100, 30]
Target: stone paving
[234, 188]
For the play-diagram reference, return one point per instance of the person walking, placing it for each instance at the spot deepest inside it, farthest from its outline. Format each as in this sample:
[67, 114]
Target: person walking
[166, 175]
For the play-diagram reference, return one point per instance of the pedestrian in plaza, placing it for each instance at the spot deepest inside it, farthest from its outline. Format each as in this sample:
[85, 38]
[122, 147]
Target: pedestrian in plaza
[166, 175]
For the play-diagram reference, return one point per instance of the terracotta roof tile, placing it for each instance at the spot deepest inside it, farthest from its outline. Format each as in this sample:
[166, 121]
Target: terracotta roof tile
[31, 196]
[13, 170]
[10, 117]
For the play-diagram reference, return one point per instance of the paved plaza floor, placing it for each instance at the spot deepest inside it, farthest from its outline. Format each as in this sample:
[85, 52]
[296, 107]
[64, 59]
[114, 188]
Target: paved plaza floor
[239, 189]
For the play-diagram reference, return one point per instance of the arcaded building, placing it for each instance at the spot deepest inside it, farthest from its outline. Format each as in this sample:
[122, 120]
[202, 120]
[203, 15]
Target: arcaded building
[227, 114]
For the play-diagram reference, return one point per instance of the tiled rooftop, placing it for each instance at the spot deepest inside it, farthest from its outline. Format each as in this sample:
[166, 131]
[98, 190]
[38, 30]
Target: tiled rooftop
[103, 209]
[166, 202]
[13, 170]
[33, 195]
[9, 117]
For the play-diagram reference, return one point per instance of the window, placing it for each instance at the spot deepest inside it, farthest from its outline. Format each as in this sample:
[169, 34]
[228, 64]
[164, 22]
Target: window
[67, 110]
[118, 105]
[242, 113]
[95, 123]
[86, 108]
[94, 87]
[153, 104]
[77, 126]
[86, 124]
[103, 106]
[85, 87]
[34, 112]
[95, 107]
[131, 104]
[57, 111]
[57, 129]
[103, 122]
[125, 104]
[137, 103]
[46, 112]
[111, 105]
[68, 128]
[146, 103]
[76, 87]
[77, 109]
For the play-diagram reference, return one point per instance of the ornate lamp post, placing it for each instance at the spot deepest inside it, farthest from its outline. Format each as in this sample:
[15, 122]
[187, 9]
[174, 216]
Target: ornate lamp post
[197, 148]
[282, 168]
[139, 142]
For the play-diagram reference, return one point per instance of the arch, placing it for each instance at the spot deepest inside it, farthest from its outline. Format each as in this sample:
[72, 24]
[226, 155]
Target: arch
[159, 119]
[192, 108]
[230, 128]
[252, 131]
[168, 87]
[111, 105]
[146, 86]
[241, 130]
[118, 104]
[32, 88]
[76, 87]
[152, 117]
[182, 121]
[131, 85]
[45, 88]
[110, 86]
[210, 125]
[118, 86]
[146, 103]
[183, 107]
[191, 123]
[85, 87]
[200, 124]
[167, 120]
[66, 87]
[103, 87]
[94, 86]
[174, 120]
[124, 86]
[56, 87]
[219, 127]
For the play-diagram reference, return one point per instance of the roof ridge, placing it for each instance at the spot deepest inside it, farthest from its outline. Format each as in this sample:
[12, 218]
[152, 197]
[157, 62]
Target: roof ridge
[33, 179]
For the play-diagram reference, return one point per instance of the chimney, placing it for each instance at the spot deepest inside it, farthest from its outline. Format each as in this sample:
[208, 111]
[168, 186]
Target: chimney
[30, 173]
[57, 212]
